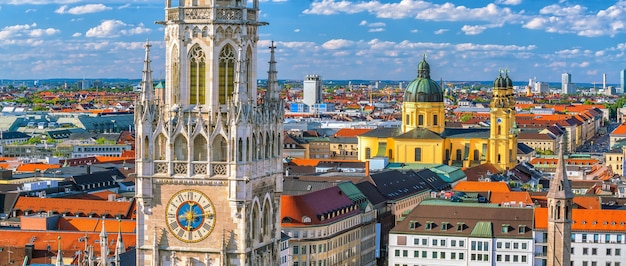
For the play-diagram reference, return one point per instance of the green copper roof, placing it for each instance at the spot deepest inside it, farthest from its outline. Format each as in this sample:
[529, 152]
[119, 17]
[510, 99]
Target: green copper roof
[482, 229]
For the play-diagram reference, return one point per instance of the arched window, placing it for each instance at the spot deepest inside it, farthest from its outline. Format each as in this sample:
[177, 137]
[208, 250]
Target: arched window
[418, 154]
[226, 73]
[459, 154]
[199, 148]
[197, 76]
[249, 72]
[146, 148]
[159, 147]
[219, 146]
[420, 120]
[435, 117]
[180, 152]
[476, 155]
[240, 150]
[175, 76]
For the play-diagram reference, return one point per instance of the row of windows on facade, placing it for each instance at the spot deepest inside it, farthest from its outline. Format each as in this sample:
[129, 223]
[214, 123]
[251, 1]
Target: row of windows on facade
[594, 251]
[336, 259]
[338, 242]
[595, 263]
[444, 226]
[420, 120]
[475, 245]
[477, 156]
[435, 255]
[596, 238]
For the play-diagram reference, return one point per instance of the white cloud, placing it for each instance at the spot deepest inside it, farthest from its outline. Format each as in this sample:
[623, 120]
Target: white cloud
[124, 6]
[115, 28]
[84, 9]
[41, 2]
[42, 32]
[77, 34]
[473, 30]
[441, 31]
[509, 2]
[376, 30]
[337, 44]
[296, 30]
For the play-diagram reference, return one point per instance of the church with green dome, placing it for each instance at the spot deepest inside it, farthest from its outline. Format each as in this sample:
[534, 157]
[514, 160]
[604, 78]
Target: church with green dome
[424, 139]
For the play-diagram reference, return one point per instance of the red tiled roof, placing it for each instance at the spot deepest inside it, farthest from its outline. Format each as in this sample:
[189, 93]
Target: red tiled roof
[513, 197]
[621, 129]
[351, 132]
[318, 205]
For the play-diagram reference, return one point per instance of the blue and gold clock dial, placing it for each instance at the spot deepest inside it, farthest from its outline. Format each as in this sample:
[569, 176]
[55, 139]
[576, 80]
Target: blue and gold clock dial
[190, 215]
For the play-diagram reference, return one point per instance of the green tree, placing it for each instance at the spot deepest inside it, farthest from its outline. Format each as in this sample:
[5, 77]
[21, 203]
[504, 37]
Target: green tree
[466, 117]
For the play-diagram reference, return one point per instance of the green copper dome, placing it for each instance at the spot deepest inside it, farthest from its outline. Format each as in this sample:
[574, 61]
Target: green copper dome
[503, 82]
[423, 89]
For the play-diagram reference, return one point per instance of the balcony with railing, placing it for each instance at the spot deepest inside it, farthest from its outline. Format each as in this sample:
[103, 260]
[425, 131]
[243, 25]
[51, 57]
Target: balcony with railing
[211, 13]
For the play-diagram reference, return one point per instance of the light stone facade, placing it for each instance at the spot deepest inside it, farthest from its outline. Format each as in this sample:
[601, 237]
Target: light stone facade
[209, 133]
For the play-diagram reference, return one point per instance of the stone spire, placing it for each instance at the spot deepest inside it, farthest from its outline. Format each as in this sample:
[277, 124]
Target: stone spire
[146, 80]
[119, 244]
[59, 261]
[104, 247]
[560, 187]
[272, 77]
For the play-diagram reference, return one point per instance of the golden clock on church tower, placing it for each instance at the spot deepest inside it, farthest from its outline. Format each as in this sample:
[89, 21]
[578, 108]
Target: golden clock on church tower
[190, 215]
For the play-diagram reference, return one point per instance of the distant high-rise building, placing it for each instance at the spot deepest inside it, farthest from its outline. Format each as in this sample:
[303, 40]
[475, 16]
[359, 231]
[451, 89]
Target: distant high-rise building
[567, 87]
[541, 87]
[622, 81]
[312, 86]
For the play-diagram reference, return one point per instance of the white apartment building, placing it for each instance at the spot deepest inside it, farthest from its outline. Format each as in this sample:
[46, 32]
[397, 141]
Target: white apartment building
[447, 233]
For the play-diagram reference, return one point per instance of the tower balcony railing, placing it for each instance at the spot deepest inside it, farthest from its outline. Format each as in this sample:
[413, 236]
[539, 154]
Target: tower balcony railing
[210, 13]
[219, 169]
[161, 167]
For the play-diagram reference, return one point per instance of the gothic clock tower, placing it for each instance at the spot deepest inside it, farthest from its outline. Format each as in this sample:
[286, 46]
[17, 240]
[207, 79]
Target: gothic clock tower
[209, 168]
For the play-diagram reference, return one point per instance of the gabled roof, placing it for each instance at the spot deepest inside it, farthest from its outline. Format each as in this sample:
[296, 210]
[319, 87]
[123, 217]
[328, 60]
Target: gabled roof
[481, 133]
[382, 132]
[420, 133]
[479, 171]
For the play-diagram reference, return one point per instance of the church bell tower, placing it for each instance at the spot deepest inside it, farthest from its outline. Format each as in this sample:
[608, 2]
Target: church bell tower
[503, 133]
[209, 168]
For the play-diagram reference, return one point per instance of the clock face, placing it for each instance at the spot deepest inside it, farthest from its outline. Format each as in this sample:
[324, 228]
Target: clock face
[190, 215]
[499, 120]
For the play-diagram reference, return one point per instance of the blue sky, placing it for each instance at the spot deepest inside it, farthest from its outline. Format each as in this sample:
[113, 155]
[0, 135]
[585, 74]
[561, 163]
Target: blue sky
[337, 39]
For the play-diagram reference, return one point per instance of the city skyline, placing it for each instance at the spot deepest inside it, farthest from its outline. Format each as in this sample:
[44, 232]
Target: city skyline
[336, 39]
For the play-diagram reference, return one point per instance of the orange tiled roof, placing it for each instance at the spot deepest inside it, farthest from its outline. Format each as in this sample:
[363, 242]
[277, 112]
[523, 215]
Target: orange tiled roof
[31, 167]
[72, 241]
[587, 220]
[472, 186]
[73, 206]
[351, 132]
[592, 203]
[85, 224]
[621, 129]
[517, 197]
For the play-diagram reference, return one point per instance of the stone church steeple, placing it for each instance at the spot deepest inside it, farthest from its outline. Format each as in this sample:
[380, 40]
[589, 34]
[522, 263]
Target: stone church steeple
[560, 198]
[209, 160]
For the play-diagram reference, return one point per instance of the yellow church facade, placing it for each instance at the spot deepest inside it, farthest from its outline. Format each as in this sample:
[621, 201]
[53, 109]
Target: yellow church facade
[424, 139]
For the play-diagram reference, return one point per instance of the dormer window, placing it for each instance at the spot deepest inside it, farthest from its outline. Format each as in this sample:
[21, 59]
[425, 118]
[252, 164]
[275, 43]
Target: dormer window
[460, 227]
[521, 229]
[306, 219]
[412, 225]
[430, 225]
[505, 228]
[444, 226]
